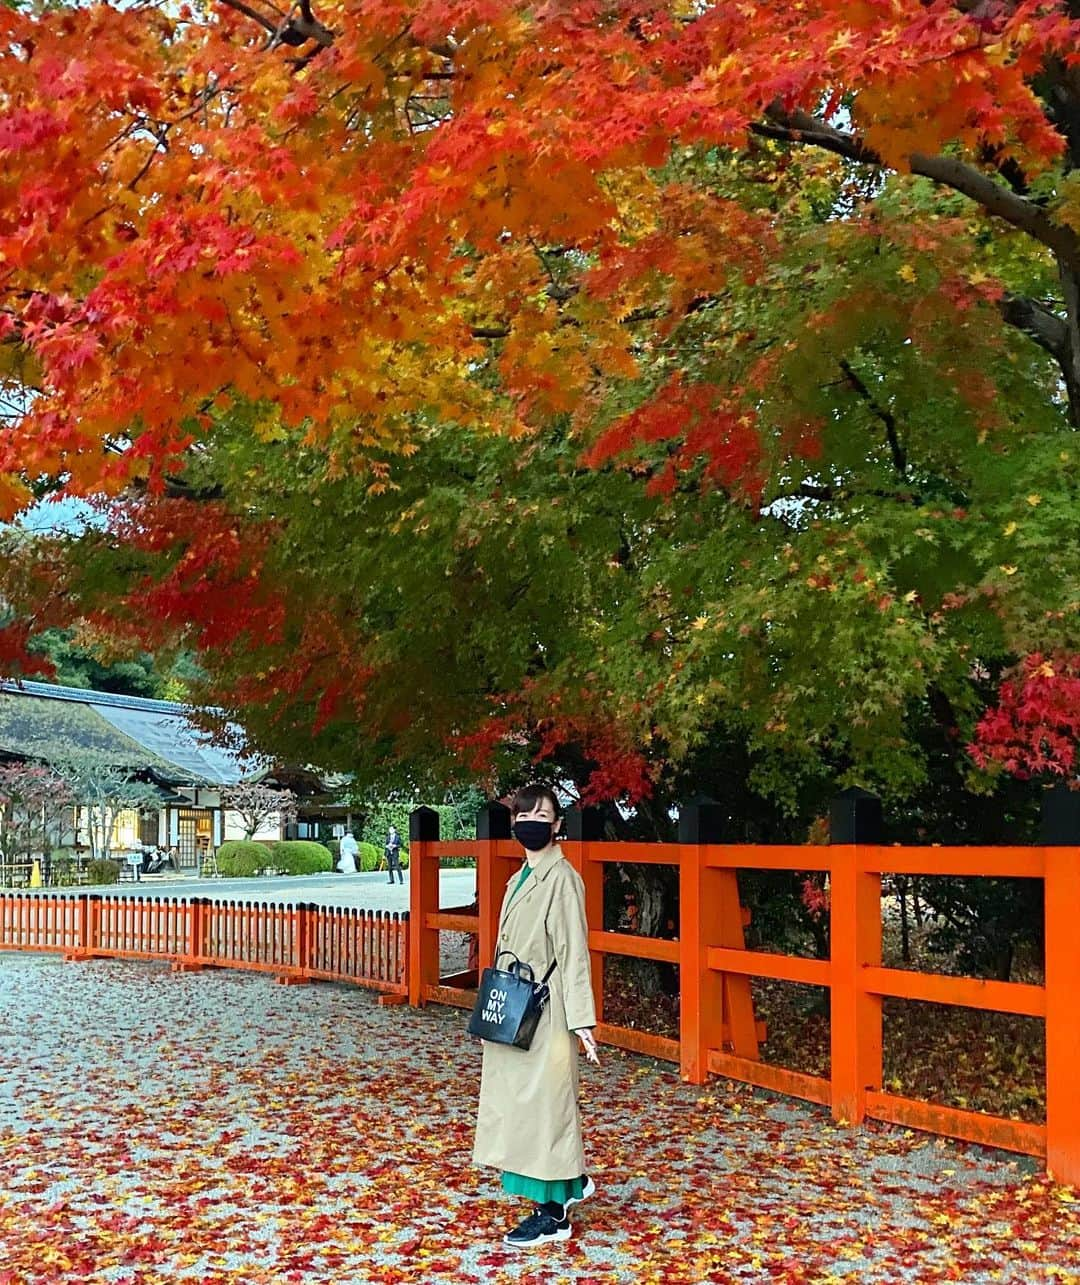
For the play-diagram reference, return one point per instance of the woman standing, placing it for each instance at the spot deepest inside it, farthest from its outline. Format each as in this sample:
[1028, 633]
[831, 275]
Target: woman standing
[528, 1123]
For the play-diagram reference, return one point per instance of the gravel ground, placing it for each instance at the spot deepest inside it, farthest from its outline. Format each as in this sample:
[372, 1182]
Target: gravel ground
[257, 1134]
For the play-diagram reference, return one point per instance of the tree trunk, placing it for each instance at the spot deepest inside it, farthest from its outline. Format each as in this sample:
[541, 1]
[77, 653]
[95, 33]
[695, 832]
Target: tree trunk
[649, 893]
[652, 889]
[1070, 363]
[819, 931]
[905, 928]
[1003, 961]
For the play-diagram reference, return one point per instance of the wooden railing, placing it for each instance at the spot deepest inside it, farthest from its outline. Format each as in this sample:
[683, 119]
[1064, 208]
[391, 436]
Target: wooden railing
[718, 1034]
[294, 943]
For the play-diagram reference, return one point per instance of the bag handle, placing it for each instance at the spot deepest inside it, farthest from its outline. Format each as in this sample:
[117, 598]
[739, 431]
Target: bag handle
[522, 964]
[512, 956]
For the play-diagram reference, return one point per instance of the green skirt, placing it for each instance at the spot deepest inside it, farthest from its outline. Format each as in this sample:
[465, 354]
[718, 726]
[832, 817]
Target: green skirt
[542, 1192]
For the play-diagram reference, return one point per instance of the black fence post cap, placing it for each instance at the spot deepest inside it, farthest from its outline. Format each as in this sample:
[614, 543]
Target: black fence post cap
[423, 825]
[584, 825]
[1060, 822]
[493, 821]
[703, 820]
[855, 816]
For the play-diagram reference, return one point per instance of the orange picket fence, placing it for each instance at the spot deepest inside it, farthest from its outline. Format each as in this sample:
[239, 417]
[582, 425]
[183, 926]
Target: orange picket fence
[294, 943]
[718, 1032]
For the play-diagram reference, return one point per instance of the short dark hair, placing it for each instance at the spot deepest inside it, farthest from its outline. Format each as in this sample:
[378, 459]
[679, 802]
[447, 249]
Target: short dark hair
[530, 795]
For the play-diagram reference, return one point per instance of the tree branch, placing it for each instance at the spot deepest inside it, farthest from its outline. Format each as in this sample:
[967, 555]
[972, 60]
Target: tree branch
[561, 293]
[1059, 87]
[1017, 210]
[1038, 322]
[1008, 167]
[293, 31]
[840, 494]
[899, 456]
[1020, 212]
[253, 14]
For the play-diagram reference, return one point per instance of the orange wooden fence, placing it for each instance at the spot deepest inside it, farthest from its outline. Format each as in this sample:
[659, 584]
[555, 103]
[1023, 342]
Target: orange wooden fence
[294, 943]
[718, 1033]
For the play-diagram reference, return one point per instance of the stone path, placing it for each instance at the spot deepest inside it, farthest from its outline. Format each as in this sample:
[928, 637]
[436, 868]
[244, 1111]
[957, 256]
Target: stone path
[215, 1127]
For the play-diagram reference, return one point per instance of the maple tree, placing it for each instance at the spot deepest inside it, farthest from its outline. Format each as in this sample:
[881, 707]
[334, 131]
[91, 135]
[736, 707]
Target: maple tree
[1035, 725]
[796, 287]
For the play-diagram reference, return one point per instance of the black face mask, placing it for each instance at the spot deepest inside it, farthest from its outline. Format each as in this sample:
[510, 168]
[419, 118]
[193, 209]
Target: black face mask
[533, 835]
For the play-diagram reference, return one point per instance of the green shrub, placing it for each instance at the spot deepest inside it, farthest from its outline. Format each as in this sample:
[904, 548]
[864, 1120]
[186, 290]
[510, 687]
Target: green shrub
[102, 870]
[302, 857]
[65, 871]
[370, 856]
[241, 858]
[333, 846]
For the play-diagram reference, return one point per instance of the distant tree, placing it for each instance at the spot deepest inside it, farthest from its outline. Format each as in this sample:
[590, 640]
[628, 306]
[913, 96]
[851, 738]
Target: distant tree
[78, 667]
[81, 659]
[104, 789]
[457, 816]
[457, 813]
[256, 803]
[32, 803]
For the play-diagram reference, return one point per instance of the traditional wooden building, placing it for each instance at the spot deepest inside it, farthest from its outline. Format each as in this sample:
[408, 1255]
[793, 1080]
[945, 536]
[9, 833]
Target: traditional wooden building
[159, 743]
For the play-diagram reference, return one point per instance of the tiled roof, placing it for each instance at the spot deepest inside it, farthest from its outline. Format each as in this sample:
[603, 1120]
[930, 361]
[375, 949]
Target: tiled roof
[40, 720]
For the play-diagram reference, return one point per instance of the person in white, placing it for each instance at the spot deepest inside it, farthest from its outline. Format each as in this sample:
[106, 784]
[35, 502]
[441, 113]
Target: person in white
[349, 850]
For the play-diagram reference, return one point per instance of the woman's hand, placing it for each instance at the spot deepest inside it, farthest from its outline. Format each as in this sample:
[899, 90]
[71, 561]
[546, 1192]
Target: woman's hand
[588, 1043]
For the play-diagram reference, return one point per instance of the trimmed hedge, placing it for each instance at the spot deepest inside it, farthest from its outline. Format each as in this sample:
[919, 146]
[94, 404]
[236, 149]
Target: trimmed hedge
[301, 857]
[369, 856]
[242, 858]
[102, 870]
[64, 871]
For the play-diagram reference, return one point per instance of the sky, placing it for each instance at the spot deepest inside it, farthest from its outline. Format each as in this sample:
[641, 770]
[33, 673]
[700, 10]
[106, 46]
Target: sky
[66, 517]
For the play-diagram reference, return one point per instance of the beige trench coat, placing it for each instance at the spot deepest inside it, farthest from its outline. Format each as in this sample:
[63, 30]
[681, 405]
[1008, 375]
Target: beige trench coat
[528, 1120]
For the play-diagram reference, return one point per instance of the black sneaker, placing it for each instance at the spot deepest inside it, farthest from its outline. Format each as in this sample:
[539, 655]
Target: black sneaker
[589, 1190]
[539, 1229]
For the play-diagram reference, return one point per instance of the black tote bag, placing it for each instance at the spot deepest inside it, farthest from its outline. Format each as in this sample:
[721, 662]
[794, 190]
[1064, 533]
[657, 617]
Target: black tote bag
[509, 1003]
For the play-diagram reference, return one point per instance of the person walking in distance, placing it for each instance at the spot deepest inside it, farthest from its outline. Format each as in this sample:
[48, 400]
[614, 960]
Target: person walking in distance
[348, 851]
[392, 849]
[528, 1123]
